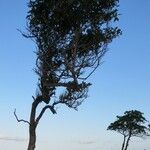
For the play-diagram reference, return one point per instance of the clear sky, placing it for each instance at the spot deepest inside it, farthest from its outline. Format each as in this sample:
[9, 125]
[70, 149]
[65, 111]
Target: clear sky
[121, 83]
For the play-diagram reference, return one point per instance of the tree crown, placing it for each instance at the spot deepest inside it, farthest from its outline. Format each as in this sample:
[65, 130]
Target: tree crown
[71, 37]
[131, 123]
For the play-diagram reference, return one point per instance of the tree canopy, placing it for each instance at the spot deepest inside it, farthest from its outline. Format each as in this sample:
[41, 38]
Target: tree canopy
[71, 36]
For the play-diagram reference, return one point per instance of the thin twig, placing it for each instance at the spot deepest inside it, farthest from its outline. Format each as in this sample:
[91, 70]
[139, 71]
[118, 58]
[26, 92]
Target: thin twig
[20, 120]
[25, 35]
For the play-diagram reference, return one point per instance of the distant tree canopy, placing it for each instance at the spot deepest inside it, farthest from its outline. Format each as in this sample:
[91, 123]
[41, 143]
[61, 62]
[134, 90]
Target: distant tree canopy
[71, 38]
[132, 123]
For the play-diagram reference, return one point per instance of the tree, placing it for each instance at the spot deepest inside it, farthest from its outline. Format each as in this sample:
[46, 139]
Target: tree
[71, 38]
[131, 124]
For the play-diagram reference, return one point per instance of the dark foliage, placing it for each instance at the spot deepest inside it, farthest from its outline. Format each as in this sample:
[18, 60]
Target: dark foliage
[71, 36]
[132, 123]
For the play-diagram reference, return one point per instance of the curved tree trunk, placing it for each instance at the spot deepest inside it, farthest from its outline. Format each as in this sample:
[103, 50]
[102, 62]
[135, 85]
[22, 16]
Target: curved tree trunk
[34, 120]
[33, 125]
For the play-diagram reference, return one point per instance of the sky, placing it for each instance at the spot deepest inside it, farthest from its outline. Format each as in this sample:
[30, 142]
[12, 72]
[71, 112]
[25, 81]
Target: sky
[121, 83]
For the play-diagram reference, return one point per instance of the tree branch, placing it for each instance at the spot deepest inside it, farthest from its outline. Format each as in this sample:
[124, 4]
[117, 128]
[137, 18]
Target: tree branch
[20, 120]
[43, 110]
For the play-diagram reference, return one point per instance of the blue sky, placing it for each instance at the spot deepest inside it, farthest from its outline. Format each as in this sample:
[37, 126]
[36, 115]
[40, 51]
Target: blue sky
[120, 84]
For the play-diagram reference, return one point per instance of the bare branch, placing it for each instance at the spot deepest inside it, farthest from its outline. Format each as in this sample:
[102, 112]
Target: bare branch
[34, 98]
[57, 102]
[25, 35]
[20, 120]
[43, 110]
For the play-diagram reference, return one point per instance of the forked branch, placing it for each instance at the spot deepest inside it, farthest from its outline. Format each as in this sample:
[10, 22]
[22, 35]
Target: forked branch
[43, 110]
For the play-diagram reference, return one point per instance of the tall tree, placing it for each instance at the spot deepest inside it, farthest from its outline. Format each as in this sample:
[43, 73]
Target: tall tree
[131, 124]
[71, 38]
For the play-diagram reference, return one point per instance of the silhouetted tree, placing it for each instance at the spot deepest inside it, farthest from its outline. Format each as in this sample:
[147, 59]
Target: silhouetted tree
[131, 124]
[71, 38]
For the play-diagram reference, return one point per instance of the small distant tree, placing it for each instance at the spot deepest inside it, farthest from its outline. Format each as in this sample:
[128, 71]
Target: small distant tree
[131, 124]
[71, 38]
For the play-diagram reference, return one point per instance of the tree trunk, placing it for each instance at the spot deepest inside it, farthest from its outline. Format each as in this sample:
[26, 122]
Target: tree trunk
[32, 137]
[127, 143]
[123, 144]
[33, 125]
